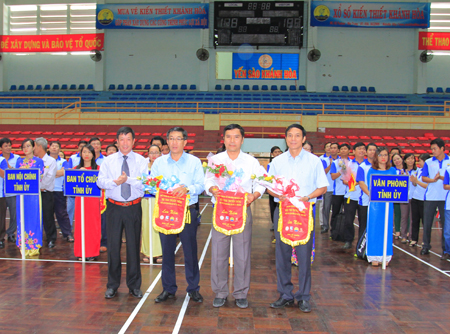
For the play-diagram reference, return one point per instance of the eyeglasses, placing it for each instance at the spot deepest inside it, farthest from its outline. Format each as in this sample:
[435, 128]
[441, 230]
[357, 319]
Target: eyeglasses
[176, 139]
[383, 155]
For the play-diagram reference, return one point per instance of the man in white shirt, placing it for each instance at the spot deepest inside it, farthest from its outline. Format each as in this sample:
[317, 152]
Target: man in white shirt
[118, 176]
[220, 243]
[47, 185]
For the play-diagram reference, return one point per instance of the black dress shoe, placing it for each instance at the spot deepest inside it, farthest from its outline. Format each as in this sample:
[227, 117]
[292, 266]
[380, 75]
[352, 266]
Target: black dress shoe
[2, 244]
[51, 244]
[69, 238]
[445, 256]
[424, 251]
[242, 302]
[11, 238]
[304, 306]
[347, 245]
[110, 293]
[164, 296]
[323, 230]
[136, 293]
[196, 296]
[282, 303]
[219, 302]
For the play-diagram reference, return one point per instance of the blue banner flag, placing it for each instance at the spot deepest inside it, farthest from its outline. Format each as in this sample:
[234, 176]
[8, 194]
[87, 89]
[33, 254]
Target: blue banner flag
[389, 188]
[370, 14]
[265, 66]
[81, 183]
[152, 16]
[22, 181]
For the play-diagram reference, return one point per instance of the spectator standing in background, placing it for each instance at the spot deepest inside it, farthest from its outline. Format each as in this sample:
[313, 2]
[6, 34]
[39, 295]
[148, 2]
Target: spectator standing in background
[327, 197]
[409, 167]
[397, 162]
[74, 161]
[274, 152]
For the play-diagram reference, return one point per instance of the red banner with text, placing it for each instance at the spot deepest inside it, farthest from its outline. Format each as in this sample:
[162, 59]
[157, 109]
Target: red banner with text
[230, 212]
[434, 40]
[52, 43]
[295, 226]
[170, 212]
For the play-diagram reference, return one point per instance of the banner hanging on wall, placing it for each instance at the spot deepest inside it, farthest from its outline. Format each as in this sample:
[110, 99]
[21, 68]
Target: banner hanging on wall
[152, 16]
[52, 43]
[265, 66]
[370, 14]
[434, 40]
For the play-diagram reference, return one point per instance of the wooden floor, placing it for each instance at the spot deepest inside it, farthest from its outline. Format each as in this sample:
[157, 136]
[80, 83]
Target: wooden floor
[51, 295]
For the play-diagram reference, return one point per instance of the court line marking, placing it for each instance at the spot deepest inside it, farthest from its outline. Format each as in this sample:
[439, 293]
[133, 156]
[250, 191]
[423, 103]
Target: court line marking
[76, 261]
[143, 299]
[187, 298]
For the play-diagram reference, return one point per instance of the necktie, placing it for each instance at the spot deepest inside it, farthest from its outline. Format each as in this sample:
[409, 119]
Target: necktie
[125, 190]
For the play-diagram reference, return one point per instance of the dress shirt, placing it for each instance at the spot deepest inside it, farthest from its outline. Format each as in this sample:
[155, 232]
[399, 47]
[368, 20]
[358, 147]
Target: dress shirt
[111, 169]
[3, 165]
[59, 181]
[12, 164]
[74, 160]
[249, 166]
[48, 178]
[435, 190]
[306, 169]
[419, 191]
[188, 169]
[355, 195]
[339, 188]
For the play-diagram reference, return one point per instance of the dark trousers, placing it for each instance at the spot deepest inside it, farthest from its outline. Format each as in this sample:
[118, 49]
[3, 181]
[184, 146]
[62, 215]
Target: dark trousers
[104, 239]
[2, 218]
[416, 216]
[362, 219]
[11, 204]
[272, 206]
[60, 206]
[350, 209]
[283, 254]
[188, 239]
[429, 212]
[48, 215]
[326, 206]
[336, 203]
[130, 219]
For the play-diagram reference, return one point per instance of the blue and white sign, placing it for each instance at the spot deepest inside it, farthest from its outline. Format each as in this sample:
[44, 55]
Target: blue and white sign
[22, 181]
[81, 183]
[389, 188]
[265, 66]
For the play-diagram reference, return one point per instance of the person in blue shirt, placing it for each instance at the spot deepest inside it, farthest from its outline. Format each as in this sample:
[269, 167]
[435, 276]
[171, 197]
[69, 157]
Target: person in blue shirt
[97, 145]
[327, 197]
[74, 161]
[11, 159]
[274, 152]
[188, 169]
[433, 173]
[3, 166]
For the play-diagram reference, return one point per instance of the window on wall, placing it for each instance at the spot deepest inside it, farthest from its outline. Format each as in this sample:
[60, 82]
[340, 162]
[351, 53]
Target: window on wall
[51, 19]
[440, 16]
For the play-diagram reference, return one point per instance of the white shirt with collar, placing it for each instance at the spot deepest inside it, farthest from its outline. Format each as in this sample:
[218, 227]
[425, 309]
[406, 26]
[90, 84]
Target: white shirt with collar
[249, 165]
[435, 190]
[306, 169]
[48, 178]
[111, 169]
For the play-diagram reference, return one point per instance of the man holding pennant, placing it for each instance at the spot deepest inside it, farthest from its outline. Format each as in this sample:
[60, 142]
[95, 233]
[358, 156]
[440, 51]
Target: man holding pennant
[177, 213]
[229, 182]
[308, 181]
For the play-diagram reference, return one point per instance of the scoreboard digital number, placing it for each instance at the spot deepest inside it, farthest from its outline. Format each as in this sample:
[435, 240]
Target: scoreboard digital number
[258, 23]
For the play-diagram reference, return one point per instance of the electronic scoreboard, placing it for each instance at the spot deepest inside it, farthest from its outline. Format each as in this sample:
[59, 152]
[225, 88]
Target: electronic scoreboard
[258, 23]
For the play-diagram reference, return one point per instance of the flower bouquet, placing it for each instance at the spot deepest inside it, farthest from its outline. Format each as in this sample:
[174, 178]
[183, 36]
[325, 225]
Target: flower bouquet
[347, 175]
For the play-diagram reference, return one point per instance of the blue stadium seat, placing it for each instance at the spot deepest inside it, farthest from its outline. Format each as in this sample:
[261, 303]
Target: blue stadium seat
[335, 89]
[138, 87]
[283, 87]
[13, 88]
[55, 87]
[183, 87]
[372, 90]
[354, 89]
[255, 87]
[292, 87]
[81, 87]
[73, 87]
[345, 88]
[120, 87]
[47, 87]
[447, 90]
[90, 87]
[218, 87]
[227, 87]
[246, 87]
[38, 88]
[430, 90]
[29, 87]
[156, 87]
[274, 87]
[147, 87]
[174, 87]
[165, 87]
[129, 87]
[264, 87]
[363, 89]
[302, 88]
[193, 87]
[237, 87]
[439, 90]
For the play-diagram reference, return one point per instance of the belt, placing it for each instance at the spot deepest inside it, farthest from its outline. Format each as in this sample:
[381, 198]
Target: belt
[193, 206]
[136, 201]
